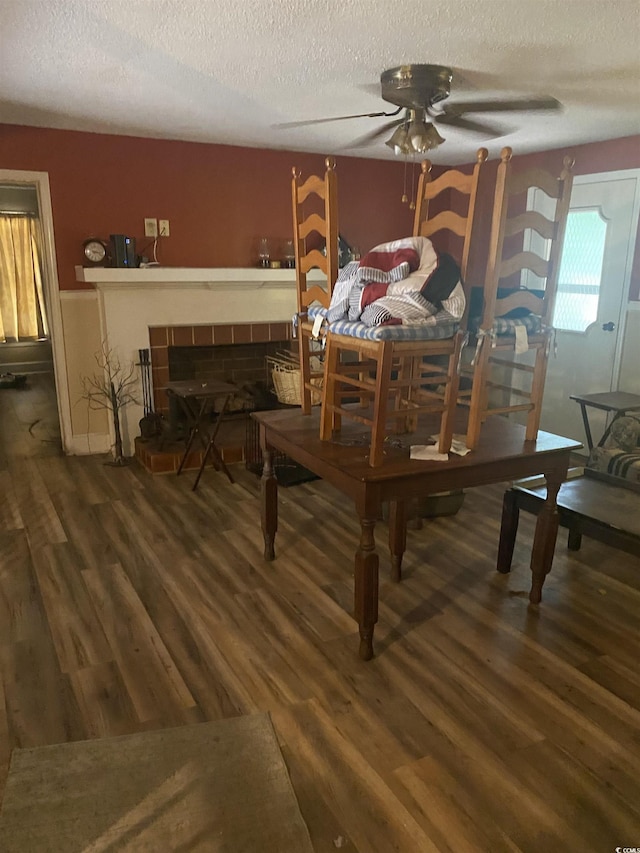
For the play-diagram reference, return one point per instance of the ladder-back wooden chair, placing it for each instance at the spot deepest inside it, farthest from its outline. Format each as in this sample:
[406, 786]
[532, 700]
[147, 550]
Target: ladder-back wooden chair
[401, 372]
[516, 318]
[427, 224]
[313, 299]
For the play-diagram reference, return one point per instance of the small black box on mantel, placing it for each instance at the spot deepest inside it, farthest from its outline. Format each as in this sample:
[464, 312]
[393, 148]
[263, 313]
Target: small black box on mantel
[123, 250]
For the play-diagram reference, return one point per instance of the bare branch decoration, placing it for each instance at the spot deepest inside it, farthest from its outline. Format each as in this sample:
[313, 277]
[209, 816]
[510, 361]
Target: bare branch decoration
[112, 387]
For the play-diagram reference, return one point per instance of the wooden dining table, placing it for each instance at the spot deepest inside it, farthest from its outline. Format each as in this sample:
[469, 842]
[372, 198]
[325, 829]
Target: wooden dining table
[502, 455]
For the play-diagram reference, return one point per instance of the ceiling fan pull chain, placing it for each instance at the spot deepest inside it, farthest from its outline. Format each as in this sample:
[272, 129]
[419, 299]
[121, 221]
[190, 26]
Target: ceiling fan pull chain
[405, 198]
[412, 206]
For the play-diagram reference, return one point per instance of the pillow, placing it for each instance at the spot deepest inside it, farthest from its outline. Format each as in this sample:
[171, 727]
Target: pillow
[625, 434]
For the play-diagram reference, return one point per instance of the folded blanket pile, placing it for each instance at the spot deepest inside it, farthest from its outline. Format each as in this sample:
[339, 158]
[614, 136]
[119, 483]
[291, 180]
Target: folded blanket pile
[402, 282]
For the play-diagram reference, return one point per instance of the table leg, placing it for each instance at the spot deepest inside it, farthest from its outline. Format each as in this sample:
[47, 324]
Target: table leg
[366, 587]
[574, 539]
[587, 428]
[218, 461]
[194, 415]
[508, 530]
[269, 496]
[544, 540]
[192, 434]
[397, 537]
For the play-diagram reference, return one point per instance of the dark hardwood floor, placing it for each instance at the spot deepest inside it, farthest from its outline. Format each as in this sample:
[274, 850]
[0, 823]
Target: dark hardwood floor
[129, 603]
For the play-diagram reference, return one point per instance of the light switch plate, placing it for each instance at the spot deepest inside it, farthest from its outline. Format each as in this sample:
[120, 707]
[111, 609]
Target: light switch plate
[150, 227]
[163, 225]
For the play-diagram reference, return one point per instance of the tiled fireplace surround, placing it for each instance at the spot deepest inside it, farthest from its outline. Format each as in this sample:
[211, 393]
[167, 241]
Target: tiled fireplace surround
[161, 338]
[242, 362]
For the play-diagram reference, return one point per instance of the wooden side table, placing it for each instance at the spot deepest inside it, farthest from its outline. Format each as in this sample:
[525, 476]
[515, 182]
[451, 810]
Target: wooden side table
[619, 402]
[197, 400]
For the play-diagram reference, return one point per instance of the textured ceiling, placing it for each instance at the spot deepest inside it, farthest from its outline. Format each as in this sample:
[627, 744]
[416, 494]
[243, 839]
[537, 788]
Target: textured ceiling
[226, 71]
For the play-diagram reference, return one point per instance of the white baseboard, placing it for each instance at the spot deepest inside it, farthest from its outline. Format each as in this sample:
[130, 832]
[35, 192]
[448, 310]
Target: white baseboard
[87, 444]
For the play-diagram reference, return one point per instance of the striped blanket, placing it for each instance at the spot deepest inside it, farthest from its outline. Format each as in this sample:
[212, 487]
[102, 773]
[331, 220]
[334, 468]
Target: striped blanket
[404, 282]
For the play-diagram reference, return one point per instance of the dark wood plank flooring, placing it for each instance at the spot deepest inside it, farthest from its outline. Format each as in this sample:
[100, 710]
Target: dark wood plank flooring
[130, 603]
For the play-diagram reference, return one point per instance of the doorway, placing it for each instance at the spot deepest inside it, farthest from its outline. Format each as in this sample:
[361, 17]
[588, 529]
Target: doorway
[593, 292]
[25, 345]
[39, 183]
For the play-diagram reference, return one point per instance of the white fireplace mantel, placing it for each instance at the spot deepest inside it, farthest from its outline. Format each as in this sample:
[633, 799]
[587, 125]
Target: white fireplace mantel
[131, 301]
[187, 277]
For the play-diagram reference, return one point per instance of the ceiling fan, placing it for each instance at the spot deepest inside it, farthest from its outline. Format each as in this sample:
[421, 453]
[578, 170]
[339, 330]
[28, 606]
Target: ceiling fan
[419, 91]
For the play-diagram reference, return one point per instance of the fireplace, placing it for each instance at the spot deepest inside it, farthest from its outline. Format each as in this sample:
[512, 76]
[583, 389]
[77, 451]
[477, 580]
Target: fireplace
[234, 353]
[175, 306]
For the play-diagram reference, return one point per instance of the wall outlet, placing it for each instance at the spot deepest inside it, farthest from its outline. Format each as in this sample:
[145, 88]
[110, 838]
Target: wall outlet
[164, 227]
[150, 227]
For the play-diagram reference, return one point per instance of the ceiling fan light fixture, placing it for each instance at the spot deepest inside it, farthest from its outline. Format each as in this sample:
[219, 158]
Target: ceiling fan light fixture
[399, 141]
[416, 134]
[414, 137]
[434, 136]
[423, 136]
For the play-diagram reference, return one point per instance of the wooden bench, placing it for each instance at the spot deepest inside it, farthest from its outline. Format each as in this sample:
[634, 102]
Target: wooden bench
[590, 503]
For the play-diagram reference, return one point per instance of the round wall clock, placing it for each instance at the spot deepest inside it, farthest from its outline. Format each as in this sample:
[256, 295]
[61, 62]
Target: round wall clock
[95, 250]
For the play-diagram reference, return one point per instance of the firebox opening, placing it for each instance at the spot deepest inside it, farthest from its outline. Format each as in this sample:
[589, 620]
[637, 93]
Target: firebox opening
[242, 365]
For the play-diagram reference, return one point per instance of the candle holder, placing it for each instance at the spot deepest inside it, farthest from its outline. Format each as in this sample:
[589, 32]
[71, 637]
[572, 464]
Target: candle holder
[264, 253]
[288, 255]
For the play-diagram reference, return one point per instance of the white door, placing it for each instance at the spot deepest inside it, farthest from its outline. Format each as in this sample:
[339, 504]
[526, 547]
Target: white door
[592, 298]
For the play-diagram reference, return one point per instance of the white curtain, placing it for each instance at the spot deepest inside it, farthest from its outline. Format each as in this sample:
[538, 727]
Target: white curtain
[22, 315]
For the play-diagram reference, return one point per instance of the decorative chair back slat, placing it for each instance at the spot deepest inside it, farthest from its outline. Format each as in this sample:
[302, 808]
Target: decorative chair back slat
[324, 225]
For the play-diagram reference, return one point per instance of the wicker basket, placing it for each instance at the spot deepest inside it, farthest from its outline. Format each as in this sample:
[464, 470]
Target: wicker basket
[285, 374]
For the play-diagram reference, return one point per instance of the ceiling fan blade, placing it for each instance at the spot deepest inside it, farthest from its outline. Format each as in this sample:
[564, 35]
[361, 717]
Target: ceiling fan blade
[289, 124]
[370, 88]
[368, 138]
[489, 130]
[470, 80]
[518, 104]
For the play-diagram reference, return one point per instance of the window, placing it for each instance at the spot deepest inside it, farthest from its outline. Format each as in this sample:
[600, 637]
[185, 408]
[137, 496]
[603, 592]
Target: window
[580, 274]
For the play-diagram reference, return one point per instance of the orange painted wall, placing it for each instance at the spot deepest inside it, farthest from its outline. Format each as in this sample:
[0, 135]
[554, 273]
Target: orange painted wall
[219, 199]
